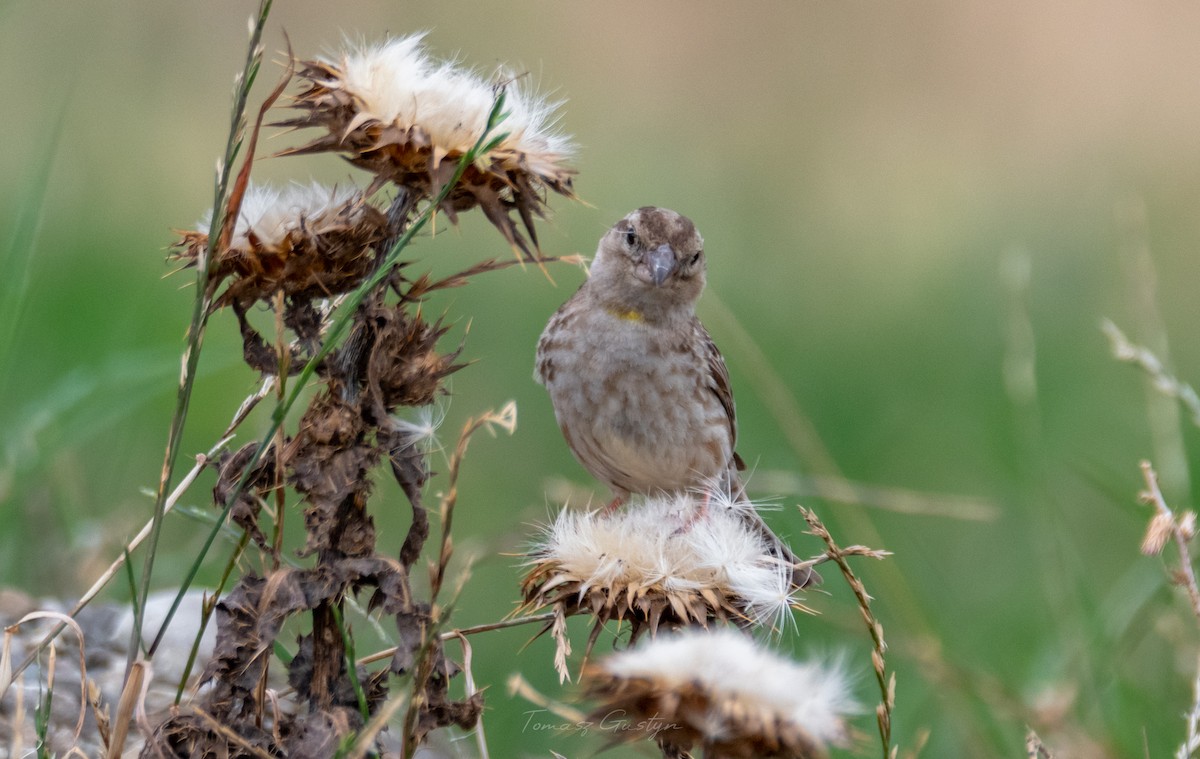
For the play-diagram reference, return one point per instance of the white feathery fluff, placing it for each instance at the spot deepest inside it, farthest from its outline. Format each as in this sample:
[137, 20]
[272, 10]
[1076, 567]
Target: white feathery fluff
[730, 667]
[643, 545]
[397, 82]
[272, 212]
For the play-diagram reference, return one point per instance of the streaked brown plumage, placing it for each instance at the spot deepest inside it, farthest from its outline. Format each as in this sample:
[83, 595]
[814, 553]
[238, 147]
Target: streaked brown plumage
[640, 391]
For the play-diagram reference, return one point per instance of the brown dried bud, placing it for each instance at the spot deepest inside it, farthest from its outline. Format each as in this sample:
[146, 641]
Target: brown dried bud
[307, 240]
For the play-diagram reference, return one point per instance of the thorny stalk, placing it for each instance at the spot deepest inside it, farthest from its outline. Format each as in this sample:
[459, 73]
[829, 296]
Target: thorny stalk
[333, 337]
[423, 669]
[505, 418]
[459, 633]
[345, 315]
[887, 685]
[218, 230]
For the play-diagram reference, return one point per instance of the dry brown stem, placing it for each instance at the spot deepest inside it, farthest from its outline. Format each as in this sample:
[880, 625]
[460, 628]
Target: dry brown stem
[1123, 349]
[1181, 529]
[887, 685]
[1034, 749]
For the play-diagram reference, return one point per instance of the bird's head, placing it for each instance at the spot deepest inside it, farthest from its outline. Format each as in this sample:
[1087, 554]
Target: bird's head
[650, 263]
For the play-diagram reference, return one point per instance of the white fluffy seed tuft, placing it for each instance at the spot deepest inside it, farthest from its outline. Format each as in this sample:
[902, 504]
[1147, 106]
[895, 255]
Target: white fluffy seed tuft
[650, 544]
[396, 82]
[269, 213]
[739, 677]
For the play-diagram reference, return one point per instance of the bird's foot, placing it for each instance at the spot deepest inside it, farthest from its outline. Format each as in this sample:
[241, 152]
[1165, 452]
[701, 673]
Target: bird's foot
[612, 506]
[698, 514]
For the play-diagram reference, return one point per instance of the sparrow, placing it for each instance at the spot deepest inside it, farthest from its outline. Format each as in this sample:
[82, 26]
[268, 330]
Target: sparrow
[639, 389]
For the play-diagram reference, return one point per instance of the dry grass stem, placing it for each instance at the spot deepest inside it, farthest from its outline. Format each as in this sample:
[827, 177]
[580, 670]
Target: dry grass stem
[1162, 380]
[470, 690]
[364, 744]
[887, 684]
[202, 461]
[130, 695]
[505, 419]
[388, 653]
[898, 500]
[562, 643]
[182, 487]
[1034, 749]
[519, 686]
[1164, 523]
[231, 735]
[202, 302]
[1191, 741]
[8, 676]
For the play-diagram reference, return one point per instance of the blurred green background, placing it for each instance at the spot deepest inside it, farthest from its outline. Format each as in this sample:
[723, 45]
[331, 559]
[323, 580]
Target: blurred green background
[919, 212]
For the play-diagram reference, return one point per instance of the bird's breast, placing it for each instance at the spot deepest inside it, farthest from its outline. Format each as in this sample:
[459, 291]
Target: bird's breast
[632, 399]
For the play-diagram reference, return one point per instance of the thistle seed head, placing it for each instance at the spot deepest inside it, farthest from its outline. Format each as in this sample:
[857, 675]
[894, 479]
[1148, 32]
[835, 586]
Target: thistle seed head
[394, 111]
[725, 694]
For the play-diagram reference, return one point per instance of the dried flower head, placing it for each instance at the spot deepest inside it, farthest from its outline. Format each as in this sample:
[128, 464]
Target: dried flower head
[306, 240]
[645, 565]
[1158, 532]
[724, 693]
[396, 112]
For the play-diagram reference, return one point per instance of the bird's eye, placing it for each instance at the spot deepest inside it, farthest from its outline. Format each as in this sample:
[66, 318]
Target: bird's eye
[695, 259]
[630, 237]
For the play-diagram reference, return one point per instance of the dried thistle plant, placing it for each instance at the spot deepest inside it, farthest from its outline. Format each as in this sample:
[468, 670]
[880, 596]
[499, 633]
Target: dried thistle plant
[394, 111]
[721, 693]
[642, 566]
[291, 252]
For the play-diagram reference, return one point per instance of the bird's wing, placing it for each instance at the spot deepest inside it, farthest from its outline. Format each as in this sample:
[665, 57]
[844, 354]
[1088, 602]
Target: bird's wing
[718, 381]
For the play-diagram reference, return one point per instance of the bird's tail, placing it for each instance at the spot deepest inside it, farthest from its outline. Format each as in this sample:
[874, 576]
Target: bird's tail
[802, 576]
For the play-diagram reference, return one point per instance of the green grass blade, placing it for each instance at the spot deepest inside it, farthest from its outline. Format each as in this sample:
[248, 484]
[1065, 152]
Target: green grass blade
[200, 316]
[17, 255]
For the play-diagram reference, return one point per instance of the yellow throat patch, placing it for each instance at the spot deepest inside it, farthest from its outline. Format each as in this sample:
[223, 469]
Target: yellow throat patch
[630, 315]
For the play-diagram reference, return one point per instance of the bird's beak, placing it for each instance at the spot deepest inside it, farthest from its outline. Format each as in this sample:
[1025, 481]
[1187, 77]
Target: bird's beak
[661, 262]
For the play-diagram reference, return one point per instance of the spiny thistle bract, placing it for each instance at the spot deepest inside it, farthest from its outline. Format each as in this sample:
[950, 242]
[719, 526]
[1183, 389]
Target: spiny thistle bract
[721, 692]
[647, 565]
[393, 110]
